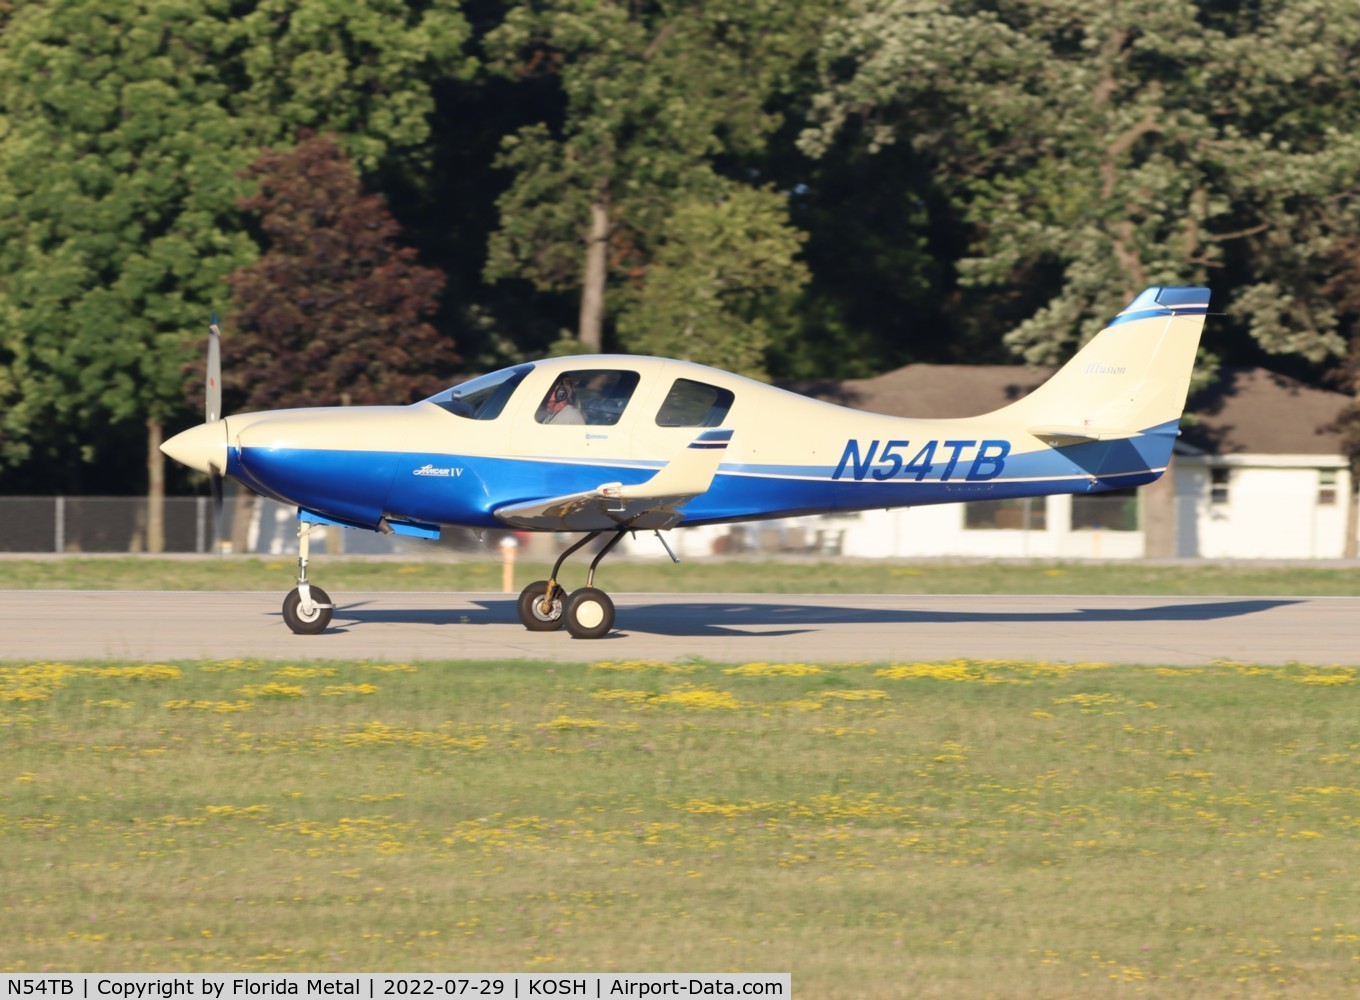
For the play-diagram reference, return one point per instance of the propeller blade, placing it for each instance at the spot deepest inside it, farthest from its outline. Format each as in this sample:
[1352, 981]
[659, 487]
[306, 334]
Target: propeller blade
[212, 412]
[215, 485]
[213, 403]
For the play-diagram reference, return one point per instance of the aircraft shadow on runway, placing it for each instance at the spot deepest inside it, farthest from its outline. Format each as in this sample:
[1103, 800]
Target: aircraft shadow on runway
[729, 618]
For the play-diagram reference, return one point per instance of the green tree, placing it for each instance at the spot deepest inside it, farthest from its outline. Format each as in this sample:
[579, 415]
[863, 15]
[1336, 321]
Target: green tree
[362, 69]
[1097, 149]
[881, 244]
[655, 93]
[334, 310]
[723, 278]
[128, 127]
[117, 193]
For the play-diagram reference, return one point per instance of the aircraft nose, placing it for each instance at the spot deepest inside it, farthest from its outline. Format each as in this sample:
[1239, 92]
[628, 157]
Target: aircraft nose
[203, 447]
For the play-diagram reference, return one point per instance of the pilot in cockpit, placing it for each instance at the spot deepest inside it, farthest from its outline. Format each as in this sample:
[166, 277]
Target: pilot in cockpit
[561, 405]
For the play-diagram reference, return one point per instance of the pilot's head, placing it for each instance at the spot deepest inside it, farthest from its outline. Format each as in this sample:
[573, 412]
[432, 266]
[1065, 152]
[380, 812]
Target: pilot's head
[562, 394]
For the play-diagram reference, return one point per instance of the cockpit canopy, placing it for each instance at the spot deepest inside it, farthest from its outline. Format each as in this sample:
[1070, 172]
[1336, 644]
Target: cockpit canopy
[591, 396]
[484, 397]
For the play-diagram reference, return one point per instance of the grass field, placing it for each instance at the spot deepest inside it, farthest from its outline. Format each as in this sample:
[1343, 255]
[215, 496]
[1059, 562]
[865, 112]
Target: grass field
[927, 830]
[717, 576]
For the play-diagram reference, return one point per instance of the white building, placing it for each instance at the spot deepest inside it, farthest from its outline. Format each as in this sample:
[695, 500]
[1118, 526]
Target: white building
[1260, 474]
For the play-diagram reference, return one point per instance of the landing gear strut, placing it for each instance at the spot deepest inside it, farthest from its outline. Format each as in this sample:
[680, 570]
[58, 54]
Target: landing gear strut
[587, 613]
[307, 609]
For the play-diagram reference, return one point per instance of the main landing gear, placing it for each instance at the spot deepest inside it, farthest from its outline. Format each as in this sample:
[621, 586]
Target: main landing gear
[587, 613]
[307, 609]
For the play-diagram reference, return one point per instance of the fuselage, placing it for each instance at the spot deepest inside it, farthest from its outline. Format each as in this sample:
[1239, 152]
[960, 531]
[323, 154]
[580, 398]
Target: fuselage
[445, 461]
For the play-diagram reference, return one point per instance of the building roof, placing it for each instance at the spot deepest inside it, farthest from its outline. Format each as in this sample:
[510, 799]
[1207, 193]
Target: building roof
[1255, 411]
[1246, 411]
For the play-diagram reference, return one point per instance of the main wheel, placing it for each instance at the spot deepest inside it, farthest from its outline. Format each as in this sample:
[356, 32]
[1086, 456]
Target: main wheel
[531, 611]
[589, 613]
[304, 624]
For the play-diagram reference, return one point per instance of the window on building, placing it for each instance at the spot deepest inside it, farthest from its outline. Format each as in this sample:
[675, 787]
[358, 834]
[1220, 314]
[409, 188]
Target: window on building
[1218, 485]
[1116, 510]
[1022, 513]
[1326, 487]
[694, 404]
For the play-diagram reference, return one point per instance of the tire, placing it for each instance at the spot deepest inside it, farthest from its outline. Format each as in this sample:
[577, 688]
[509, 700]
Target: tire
[531, 608]
[300, 623]
[589, 613]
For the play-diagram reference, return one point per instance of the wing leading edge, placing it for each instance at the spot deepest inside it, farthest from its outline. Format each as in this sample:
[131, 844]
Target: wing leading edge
[651, 505]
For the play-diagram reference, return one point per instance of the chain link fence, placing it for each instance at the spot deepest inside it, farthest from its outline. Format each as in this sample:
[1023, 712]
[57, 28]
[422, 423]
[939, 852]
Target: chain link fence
[119, 524]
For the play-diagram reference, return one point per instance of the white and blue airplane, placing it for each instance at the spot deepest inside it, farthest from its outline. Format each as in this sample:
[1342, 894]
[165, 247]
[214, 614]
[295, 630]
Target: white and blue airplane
[608, 444]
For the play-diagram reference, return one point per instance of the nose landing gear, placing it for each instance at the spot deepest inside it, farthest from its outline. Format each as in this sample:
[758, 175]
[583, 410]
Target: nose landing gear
[307, 609]
[587, 613]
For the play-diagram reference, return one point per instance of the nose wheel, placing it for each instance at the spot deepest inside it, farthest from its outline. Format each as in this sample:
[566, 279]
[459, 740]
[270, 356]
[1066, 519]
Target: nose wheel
[588, 613]
[307, 610]
[302, 618]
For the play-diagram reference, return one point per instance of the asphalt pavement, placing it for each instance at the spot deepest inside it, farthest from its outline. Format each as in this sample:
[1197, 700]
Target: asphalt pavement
[135, 625]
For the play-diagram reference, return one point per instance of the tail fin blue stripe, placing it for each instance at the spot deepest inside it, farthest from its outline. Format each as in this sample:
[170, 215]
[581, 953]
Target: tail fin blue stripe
[1172, 297]
[1189, 301]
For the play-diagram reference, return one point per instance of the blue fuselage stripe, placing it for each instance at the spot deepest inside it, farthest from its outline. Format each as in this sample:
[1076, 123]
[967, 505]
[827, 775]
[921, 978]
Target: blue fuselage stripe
[361, 486]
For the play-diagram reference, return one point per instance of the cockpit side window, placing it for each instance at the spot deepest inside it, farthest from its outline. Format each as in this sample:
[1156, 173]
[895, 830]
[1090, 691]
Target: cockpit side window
[482, 398]
[590, 396]
[694, 404]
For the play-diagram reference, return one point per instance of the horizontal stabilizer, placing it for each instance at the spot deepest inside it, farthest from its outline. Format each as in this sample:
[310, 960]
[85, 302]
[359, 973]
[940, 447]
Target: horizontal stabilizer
[654, 504]
[1058, 435]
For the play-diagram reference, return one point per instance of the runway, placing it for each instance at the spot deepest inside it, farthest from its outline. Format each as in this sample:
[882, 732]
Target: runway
[133, 625]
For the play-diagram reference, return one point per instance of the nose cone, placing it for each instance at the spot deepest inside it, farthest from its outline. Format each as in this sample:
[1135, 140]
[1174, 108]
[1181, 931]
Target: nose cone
[203, 447]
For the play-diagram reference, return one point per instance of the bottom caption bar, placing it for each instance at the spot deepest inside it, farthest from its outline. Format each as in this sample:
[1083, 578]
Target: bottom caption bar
[224, 986]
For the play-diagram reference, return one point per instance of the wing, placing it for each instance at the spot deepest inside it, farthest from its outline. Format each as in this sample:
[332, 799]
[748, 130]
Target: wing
[654, 504]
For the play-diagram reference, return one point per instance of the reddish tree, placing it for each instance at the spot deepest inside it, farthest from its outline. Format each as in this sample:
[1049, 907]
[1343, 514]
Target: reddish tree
[334, 311]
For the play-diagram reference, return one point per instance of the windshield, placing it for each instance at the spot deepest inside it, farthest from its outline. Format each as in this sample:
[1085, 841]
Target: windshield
[484, 397]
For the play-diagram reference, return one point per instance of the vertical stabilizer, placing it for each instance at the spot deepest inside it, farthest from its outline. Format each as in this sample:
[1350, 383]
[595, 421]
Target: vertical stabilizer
[1132, 378]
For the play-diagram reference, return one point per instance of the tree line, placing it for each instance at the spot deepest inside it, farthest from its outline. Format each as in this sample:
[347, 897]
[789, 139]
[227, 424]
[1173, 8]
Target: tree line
[380, 195]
